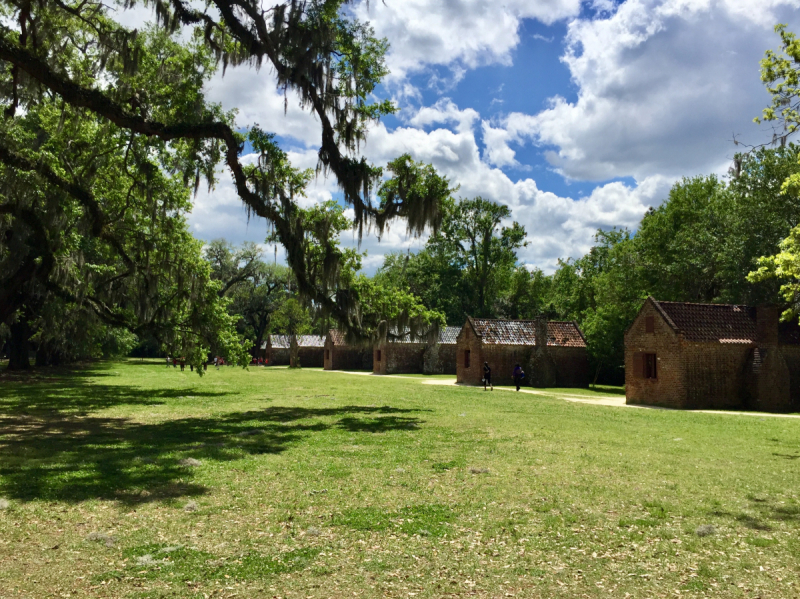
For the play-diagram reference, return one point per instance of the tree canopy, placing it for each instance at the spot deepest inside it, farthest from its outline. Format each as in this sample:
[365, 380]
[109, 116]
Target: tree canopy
[106, 131]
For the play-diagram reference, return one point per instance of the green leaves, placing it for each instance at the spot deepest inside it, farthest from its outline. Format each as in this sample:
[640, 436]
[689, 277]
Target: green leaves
[780, 73]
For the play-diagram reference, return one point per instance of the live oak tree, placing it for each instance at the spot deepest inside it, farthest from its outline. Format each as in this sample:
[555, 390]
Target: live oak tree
[375, 310]
[142, 90]
[93, 218]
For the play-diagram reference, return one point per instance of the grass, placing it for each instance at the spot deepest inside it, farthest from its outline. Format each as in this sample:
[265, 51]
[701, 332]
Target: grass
[134, 480]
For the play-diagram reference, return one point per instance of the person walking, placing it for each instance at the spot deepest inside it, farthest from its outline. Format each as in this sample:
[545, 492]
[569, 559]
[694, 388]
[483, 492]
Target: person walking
[518, 375]
[487, 376]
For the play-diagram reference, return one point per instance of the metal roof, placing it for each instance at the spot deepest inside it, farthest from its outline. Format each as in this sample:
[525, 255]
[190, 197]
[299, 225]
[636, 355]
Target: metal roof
[523, 332]
[285, 341]
[448, 335]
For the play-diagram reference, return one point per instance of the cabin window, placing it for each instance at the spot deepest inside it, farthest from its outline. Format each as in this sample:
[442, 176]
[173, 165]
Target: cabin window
[645, 366]
[379, 355]
[649, 324]
[466, 358]
[650, 366]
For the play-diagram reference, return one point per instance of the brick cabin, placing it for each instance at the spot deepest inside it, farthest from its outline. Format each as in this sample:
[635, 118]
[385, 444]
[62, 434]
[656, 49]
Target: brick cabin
[719, 356]
[504, 343]
[406, 356]
[310, 350]
[341, 356]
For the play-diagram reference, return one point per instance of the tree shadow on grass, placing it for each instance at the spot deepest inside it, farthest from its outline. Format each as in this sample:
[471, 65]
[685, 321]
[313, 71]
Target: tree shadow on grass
[767, 512]
[75, 391]
[67, 458]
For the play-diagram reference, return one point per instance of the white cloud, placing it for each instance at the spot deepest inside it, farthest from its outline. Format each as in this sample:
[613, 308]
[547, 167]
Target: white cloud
[255, 95]
[558, 227]
[456, 34]
[663, 87]
[497, 151]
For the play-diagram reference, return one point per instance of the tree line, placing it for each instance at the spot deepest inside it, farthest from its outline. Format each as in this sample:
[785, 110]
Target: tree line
[106, 135]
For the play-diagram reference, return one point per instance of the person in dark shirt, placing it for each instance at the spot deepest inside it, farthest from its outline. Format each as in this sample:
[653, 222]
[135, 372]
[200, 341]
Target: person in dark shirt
[487, 376]
[518, 375]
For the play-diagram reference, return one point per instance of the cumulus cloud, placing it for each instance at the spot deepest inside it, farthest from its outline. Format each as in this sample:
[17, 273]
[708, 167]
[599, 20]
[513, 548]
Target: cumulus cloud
[558, 227]
[253, 93]
[456, 34]
[664, 85]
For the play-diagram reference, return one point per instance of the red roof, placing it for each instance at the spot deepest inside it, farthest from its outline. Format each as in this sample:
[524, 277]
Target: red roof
[724, 323]
[337, 337]
[523, 332]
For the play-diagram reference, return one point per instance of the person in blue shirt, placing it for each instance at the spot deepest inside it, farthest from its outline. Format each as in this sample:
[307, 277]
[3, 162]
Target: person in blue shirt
[518, 375]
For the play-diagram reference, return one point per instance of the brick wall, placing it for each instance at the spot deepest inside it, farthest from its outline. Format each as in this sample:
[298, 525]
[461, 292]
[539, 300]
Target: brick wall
[327, 356]
[572, 366]
[278, 356]
[440, 359]
[714, 375]
[398, 358]
[669, 388]
[791, 353]
[345, 357]
[468, 341]
[572, 363]
[311, 357]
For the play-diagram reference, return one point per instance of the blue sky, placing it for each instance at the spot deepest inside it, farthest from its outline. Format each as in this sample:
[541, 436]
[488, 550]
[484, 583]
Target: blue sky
[576, 114]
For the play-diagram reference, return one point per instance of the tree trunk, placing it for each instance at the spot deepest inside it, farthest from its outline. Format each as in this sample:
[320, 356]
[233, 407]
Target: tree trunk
[19, 346]
[294, 353]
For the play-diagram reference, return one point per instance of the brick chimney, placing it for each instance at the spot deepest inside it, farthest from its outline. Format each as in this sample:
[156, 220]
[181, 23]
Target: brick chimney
[767, 317]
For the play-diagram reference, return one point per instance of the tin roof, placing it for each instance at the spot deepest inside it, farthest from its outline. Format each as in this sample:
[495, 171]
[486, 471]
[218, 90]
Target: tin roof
[448, 335]
[523, 332]
[284, 341]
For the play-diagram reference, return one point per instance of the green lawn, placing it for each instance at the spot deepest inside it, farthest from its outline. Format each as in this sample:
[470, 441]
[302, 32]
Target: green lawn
[134, 480]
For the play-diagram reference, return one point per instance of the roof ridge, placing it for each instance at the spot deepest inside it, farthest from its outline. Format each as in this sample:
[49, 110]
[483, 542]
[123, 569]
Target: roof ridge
[701, 304]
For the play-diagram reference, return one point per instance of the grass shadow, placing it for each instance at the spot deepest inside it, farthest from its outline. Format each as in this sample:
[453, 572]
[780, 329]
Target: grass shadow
[64, 457]
[75, 391]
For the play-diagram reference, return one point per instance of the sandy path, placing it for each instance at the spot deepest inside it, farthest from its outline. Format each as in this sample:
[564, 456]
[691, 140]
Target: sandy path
[617, 401]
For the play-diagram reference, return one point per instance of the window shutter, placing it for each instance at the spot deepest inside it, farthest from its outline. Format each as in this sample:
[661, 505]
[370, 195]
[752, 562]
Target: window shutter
[638, 365]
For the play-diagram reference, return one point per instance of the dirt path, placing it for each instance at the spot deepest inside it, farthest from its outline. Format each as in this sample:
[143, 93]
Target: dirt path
[616, 401]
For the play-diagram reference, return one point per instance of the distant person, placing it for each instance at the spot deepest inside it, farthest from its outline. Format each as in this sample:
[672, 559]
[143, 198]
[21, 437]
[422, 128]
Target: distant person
[518, 375]
[168, 361]
[216, 362]
[487, 376]
[174, 362]
[183, 363]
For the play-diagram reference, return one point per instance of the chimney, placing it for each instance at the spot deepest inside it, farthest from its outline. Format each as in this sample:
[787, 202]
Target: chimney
[767, 317]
